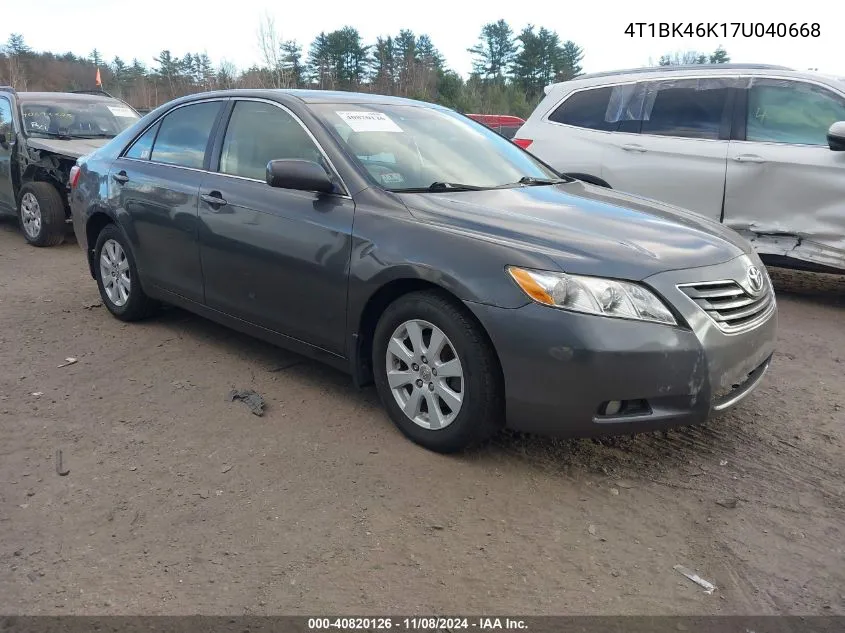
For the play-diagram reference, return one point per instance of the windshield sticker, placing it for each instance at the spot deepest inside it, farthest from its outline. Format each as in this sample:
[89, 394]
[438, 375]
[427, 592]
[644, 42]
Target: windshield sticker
[392, 178]
[121, 111]
[369, 122]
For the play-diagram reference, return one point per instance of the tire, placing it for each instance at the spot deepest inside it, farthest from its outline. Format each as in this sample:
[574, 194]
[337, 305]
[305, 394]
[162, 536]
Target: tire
[133, 304]
[41, 213]
[480, 412]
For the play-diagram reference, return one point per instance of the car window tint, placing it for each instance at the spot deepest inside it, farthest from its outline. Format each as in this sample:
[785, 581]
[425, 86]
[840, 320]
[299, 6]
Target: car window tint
[685, 108]
[141, 148]
[791, 112]
[260, 132]
[586, 108]
[184, 134]
[5, 116]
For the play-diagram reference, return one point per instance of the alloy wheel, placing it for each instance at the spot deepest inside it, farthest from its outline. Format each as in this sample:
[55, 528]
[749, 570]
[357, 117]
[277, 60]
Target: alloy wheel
[114, 272]
[31, 215]
[425, 374]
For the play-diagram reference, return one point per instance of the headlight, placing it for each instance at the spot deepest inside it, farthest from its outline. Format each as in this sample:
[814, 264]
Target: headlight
[592, 295]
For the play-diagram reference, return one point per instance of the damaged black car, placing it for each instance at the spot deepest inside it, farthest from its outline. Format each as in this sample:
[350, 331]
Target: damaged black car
[41, 136]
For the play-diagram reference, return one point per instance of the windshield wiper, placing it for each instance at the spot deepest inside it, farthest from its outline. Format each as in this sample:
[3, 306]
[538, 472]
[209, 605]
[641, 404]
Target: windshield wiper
[437, 186]
[58, 135]
[440, 186]
[101, 135]
[532, 181]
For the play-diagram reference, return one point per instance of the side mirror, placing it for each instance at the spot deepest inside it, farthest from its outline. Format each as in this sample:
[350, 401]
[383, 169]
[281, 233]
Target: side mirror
[836, 136]
[303, 175]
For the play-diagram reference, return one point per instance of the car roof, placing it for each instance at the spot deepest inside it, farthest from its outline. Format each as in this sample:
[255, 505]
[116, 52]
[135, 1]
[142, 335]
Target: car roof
[309, 96]
[691, 70]
[64, 96]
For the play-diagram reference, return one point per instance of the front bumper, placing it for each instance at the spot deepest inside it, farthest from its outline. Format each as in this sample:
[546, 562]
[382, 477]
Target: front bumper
[561, 367]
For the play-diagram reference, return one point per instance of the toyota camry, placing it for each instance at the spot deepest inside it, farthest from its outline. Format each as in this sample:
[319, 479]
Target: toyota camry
[414, 248]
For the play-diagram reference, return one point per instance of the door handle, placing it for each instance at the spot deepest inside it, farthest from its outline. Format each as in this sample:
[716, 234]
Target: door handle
[749, 158]
[213, 199]
[629, 147]
[121, 177]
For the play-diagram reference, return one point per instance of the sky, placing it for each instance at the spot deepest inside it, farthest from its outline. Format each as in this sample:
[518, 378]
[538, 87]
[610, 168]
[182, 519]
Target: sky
[142, 29]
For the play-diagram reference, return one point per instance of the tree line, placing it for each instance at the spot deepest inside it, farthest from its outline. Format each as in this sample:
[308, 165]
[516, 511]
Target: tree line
[509, 69]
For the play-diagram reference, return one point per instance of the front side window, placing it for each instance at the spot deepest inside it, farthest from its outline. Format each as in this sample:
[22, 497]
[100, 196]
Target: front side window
[183, 135]
[259, 132]
[791, 112]
[404, 147]
[76, 118]
[687, 108]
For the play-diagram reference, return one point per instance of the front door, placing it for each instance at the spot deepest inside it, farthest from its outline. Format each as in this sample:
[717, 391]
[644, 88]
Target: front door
[155, 187]
[274, 257]
[784, 182]
[7, 142]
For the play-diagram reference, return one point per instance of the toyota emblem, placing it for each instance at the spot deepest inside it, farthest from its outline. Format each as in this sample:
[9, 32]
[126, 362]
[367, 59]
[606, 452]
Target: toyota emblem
[755, 279]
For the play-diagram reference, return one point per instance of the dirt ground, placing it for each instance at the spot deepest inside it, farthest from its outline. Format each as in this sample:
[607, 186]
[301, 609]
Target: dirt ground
[179, 502]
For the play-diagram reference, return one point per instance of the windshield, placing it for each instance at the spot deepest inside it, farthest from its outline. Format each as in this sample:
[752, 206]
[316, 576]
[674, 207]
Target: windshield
[406, 148]
[76, 118]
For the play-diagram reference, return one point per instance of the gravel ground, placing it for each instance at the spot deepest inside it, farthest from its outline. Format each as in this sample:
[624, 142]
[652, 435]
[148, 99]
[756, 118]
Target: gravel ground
[178, 501]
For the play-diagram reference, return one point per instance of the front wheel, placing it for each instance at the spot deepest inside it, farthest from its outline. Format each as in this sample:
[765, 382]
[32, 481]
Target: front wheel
[41, 212]
[436, 373]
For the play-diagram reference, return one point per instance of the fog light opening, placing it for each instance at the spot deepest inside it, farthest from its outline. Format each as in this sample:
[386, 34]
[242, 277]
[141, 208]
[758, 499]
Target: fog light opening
[615, 408]
[611, 408]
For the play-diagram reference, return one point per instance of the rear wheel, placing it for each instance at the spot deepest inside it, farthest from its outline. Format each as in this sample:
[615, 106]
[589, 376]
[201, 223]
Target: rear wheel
[436, 373]
[117, 276]
[41, 211]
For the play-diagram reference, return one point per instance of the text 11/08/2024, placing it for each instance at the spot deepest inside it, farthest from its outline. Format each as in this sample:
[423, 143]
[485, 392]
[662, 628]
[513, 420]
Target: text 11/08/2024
[723, 29]
[420, 623]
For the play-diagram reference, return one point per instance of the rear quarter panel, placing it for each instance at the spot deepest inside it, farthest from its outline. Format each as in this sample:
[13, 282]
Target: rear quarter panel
[566, 148]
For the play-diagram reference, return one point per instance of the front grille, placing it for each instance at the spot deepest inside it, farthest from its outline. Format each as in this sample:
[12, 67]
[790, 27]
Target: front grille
[732, 307]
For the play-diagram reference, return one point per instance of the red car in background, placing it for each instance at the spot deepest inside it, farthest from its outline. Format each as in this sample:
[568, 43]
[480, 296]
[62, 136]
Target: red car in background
[504, 124]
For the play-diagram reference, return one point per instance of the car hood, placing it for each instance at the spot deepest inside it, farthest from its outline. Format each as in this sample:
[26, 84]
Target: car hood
[584, 229]
[72, 148]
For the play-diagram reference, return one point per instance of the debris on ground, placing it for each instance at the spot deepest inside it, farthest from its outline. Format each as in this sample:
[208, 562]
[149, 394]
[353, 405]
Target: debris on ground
[252, 399]
[226, 469]
[92, 305]
[37, 393]
[70, 360]
[591, 529]
[729, 503]
[60, 469]
[723, 462]
[709, 587]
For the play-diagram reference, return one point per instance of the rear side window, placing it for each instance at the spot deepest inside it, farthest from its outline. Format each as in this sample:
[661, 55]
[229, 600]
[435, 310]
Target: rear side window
[141, 148]
[686, 109]
[791, 112]
[183, 135]
[586, 108]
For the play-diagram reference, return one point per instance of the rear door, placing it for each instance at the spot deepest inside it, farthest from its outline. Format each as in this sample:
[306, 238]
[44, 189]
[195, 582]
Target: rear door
[7, 130]
[783, 178]
[155, 187]
[675, 149]
[274, 257]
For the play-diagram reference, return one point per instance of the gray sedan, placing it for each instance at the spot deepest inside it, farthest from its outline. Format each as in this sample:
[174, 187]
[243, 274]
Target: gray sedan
[416, 249]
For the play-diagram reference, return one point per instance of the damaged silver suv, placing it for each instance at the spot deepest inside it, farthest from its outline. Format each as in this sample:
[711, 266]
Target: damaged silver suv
[41, 136]
[759, 148]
